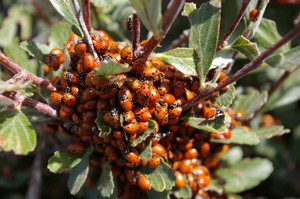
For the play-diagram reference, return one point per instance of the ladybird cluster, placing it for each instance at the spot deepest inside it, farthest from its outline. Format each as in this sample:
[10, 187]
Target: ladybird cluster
[147, 98]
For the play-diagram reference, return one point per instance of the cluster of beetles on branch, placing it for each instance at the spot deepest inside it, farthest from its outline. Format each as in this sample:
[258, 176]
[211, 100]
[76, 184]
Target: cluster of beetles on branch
[147, 98]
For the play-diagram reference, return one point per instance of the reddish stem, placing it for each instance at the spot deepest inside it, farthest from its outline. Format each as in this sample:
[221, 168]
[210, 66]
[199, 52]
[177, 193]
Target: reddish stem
[24, 74]
[86, 13]
[167, 20]
[234, 24]
[29, 102]
[243, 71]
[136, 31]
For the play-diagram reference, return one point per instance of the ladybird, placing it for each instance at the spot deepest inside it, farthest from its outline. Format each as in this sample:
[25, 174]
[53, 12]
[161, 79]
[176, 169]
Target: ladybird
[185, 165]
[195, 85]
[191, 153]
[53, 61]
[169, 98]
[88, 94]
[139, 64]
[88, 116]
[174, 112]
[143, 126]
[111, 116]
[131, 128]
[100, 81]
[159, 150]
[69, 99]
[129, 23]
[144, 117]
[131, 156]
[208, 112]
[118, 134]
[144, 183]
[71, 77]
[189, 94]
[56, 97]
[129, 116]
[74, 89]
[222, 76]
[154, 162]
[88, 79]
[80, 49]
[107, 93]
[145, 89]
[89, 61]
[90, 105]
[179, 181]
[163, 88]
[127, 54]
[239, 116]
[132, 137]
[253, 14]
[134, 84]
[126, 104]
[59, 53]
[111, 153]
[120, 144]
[65, 111]
[103, 45]
[153, 95]
[227, 133]
[160, 112]
[76, 148]
[178, 88]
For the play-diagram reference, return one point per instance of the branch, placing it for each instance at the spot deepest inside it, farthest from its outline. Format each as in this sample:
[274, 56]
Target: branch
[285, 75]
[182, 39]
[29, 102]
[136, 31]
[23, 74]
[85, 31]
[234, 24]
[86, 13]
[242, 72]
[167, 20]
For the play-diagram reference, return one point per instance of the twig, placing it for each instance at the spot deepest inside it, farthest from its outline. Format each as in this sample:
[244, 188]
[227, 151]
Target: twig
[16, 69]
[167, 20]
[33, 192]
[136, 31]
[243, 71]
[85, 31]
[22, 100]
[86, 13]
[182, 39]
[234, 24]
[285, 75]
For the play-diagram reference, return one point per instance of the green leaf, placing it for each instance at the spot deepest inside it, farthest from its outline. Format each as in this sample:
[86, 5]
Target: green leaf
[245, 175]
[250, 102]
[7, 32]
[275, 60]
[35, 49]
[291, 59]
[161, 178]
[205, 26]
[106, 185]
[146, 153]
[184, 192]
[239, 136]
[287, 93]
[103, 127]
[183, 59]
[215, 186]
[226, 98]
[267, 35]
[16, 132]
[79, 174]
[111, 68]
[270, 131]
[114, 195]
[18, 55]
[233, 156]
[142, 137]
[63, 160]
[59, 35]
[150, 14]
[152, 194]
[19, 85]
[65, 9]
[244, 46]
[253, 27]
[217, 125]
